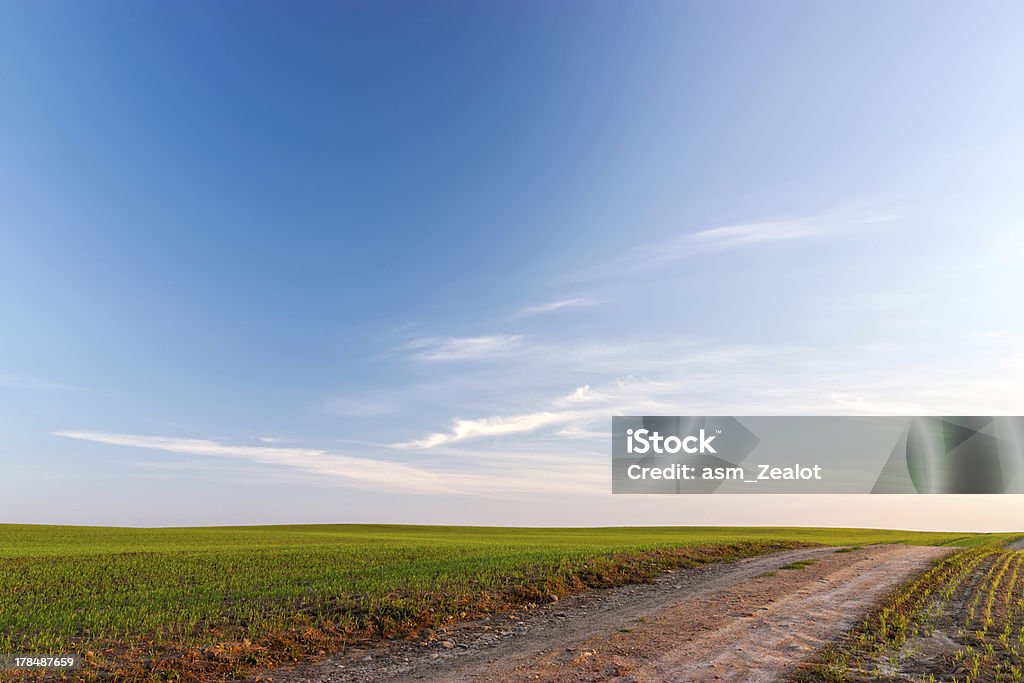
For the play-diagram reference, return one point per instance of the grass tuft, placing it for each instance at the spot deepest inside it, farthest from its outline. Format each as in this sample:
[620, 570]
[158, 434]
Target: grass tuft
[799, 564]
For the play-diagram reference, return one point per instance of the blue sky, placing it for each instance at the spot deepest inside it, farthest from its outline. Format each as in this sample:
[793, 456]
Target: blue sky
[398, 262]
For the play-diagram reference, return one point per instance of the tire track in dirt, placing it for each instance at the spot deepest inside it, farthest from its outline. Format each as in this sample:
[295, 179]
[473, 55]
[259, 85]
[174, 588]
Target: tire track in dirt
[749, 620]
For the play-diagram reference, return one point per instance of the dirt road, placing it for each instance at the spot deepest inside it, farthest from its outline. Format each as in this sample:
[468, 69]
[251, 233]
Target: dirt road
[746, 621]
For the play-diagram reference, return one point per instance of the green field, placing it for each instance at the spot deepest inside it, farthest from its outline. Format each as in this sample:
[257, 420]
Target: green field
[214, 601]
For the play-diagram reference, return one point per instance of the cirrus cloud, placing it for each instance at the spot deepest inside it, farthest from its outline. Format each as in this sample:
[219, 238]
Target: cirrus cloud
[443, 349]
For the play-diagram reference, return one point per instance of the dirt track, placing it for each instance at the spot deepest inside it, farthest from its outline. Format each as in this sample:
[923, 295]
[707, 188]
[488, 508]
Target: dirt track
[746, 621]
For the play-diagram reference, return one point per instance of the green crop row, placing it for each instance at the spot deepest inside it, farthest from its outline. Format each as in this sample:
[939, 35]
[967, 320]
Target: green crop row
[975, 595]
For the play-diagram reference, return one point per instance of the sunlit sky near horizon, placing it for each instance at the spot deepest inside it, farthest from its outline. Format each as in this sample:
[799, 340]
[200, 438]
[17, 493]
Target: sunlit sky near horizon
[402, 261]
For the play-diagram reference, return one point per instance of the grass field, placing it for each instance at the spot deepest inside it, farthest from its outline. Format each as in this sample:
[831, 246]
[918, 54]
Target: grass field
[214, 601]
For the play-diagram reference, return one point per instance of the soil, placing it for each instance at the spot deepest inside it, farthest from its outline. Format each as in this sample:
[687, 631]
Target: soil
[751, 620]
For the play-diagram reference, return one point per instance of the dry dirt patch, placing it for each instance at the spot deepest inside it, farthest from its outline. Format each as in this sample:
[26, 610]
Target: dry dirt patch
[750, 620]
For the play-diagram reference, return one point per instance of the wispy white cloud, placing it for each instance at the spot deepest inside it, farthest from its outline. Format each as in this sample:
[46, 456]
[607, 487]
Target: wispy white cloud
[652, 255]
[569, 412]
[751, 381]
[683, 370]
[389, 475]
[551, 306]
[731, 236]
[745, 234]
[719, 239]
[497, 425]
[498, 478]
[443, 349]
